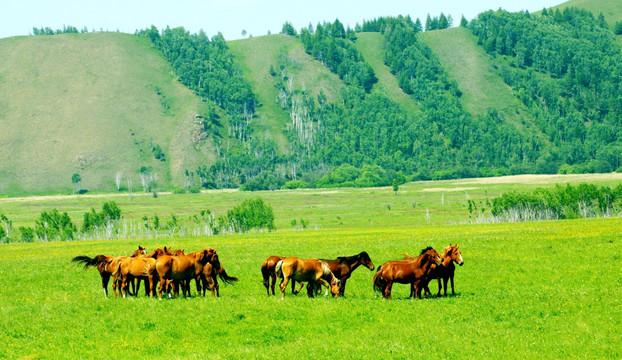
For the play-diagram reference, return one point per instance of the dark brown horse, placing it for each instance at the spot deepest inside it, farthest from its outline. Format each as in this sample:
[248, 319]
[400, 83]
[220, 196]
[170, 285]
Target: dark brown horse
[211, 272]
[446, 270]
[413, 272]
[343, 266]
[269, 275]
[309, 270]
[106, 265]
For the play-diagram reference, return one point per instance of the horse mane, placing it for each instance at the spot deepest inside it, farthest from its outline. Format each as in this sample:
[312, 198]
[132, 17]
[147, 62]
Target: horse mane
[423, 251]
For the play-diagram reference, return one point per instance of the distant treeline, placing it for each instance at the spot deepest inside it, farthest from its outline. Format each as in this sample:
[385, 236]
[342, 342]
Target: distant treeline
[561, 202]
[65, 30]
[251, 214]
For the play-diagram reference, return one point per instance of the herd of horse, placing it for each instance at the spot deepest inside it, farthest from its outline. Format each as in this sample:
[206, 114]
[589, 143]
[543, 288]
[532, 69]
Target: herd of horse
[170, 270]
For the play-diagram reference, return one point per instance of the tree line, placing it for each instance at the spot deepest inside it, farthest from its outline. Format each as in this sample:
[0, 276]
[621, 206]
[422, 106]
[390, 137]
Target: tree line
[251, 214]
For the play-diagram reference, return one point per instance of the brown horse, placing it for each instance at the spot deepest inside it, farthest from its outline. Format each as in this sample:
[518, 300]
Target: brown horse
[446, 270]
[106, 265]
[343, 266]
[140, 268]
[211, 272]
[310, 270]
[413, 272]
[269, 275]
[180, 268]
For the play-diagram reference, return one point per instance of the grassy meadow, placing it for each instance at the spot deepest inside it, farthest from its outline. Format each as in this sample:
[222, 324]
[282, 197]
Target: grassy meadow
[539, 289]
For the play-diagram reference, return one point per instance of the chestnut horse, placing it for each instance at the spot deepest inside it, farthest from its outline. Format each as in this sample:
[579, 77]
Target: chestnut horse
[343, 266]
[310, 270]
[444, 271]
[106, 265]
[413, 272]
[180, 268]
[140, 268]
[269, 275]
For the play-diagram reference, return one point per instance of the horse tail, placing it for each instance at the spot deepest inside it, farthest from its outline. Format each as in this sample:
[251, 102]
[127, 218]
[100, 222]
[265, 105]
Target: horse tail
[265, 272]
[379, 282]
[87, 261]
[222, 274]
[277, 269]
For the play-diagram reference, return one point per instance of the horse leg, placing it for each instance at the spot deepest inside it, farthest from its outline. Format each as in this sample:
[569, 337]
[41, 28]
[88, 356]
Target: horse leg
[299, 289]
[105, 280]
[161, 287]
[387, 290]
[284, 286]
[124, 285]
[440, 286]
[342, 288]
[445, 279]
[451, 278]
[272, 281]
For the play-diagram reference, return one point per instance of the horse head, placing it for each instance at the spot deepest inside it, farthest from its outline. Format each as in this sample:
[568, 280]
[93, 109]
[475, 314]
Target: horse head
[452, 253]
[366, 261]
[156, 253]
[139, 252]
[179, 252]
[433, 256]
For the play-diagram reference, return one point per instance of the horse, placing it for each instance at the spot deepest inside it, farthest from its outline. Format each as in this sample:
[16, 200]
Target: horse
[343, 266]
[309, 270]
[269, 275]
[211, 272]
[142, 267]
[106, 265]
[414, 272]
[180, 268]
[446, 270]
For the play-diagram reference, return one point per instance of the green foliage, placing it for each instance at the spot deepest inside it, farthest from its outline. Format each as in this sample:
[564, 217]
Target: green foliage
[252, 213]
[288, 29]
[207, 67]
[618, 28]
[567, 69]
[53, 226]
[330, 45]
[65, 30]
[569, 202]
[109, 216]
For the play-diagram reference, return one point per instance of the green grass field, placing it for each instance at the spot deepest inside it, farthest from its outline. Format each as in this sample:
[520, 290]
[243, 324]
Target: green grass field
[526, 290]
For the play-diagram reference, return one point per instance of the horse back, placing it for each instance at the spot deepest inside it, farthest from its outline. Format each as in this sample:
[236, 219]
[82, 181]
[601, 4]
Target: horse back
[302, 269]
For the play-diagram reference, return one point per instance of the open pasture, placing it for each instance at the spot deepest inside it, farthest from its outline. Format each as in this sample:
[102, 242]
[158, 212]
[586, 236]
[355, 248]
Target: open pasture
[526, 290]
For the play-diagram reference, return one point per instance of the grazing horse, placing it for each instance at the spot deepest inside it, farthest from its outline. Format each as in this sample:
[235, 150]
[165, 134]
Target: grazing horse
[310, 270]
[180, 268]
[343, 266]
[414, 272]
[269, 275]
[106, 265]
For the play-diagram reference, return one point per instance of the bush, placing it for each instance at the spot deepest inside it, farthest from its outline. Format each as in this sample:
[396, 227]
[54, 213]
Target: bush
[618, 28]
[251, 214]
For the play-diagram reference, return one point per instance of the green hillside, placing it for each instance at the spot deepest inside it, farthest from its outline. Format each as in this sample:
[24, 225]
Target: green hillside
[287, 58]
[371, 46]
[94, 104]
[481, 86]
[510, 94]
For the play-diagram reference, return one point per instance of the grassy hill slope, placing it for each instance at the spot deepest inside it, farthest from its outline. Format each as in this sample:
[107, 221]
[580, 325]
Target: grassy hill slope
[93, 104]
[256, 55]
[469, 65]
[371, 45]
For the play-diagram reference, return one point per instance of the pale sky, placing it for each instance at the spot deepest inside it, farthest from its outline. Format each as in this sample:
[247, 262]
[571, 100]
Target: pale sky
[230, 17]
